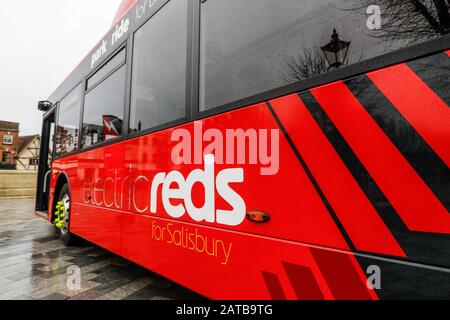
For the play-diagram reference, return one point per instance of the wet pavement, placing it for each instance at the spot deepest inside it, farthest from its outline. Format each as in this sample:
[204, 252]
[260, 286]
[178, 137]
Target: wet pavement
[34, 264]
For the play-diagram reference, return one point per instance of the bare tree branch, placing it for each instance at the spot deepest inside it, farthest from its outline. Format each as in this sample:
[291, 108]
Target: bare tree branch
[306, 66]
[428, 16]
[443, 13]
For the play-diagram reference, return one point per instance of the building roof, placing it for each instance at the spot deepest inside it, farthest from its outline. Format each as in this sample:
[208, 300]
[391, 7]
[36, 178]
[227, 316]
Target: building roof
[24, 141]
[9, 126]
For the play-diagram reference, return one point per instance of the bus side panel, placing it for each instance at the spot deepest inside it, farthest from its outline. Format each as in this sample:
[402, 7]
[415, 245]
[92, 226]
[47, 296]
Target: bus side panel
[297, 212]
[95, 193]
[230, 265]
[375, 150]
[98, 225]
[390, 129]
[361, 188]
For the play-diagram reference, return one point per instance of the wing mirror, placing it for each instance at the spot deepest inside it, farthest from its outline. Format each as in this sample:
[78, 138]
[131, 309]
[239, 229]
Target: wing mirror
[44, 105]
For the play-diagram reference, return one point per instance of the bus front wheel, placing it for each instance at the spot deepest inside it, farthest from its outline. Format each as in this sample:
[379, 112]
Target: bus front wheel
[62, 217]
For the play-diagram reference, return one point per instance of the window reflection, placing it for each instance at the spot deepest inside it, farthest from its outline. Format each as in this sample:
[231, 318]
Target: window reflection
[115, 62]
[246, 50]
[68, 122]
[103, 110]
[159, 68]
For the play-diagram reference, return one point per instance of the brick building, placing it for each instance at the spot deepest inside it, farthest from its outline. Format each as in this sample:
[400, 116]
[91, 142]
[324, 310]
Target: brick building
[9, 141]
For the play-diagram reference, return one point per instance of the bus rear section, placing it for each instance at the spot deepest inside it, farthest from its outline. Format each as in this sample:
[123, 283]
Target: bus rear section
[240, 182]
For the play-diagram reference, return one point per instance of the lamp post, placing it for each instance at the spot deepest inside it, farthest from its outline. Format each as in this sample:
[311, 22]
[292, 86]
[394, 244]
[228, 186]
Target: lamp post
[336, 51]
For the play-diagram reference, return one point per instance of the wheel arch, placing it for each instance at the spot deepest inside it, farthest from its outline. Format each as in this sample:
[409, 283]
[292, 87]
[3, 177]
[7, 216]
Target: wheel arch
[60, 182]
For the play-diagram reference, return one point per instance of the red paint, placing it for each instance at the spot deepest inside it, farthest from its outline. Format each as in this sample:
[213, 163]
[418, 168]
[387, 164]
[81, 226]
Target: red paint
[303, 282]
[343, 276]
[410, 196]
[423, 108]
[296, 210]
[273, 286]
[448, 52]
[360, 220]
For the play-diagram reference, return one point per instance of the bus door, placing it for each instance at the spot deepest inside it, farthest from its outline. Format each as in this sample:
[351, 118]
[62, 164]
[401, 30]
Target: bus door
[45, 161]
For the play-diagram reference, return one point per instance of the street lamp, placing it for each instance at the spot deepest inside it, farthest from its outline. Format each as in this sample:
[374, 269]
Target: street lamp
[336, 51]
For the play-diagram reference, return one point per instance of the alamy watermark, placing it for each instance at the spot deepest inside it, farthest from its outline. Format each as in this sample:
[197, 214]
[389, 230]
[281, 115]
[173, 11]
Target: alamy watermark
[374, 277]
[231, 146]
[374, 20]
[73, 281]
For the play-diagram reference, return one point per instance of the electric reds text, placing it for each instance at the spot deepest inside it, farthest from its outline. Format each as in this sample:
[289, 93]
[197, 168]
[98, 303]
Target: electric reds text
[174, 191]
[120, 193]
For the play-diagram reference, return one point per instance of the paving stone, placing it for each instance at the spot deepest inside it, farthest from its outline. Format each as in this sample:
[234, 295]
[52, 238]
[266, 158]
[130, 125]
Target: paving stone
[147, 293]
[34, 263]
[23, 297]
[118, 294]
[55, 296]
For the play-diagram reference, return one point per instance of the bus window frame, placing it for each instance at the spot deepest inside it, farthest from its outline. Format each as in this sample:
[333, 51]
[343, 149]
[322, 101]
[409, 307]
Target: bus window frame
[84, 92]
[57, 110]
[385, 60]
[189, 64]
[193, 112]
[126, 65]
[107, 75]
[122, 46]
[111, 57]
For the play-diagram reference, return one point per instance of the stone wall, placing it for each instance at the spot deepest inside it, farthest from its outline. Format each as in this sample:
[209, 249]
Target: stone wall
[14, 184]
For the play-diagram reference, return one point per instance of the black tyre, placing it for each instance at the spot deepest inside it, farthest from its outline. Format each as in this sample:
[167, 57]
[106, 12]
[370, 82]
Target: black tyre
[62, 219]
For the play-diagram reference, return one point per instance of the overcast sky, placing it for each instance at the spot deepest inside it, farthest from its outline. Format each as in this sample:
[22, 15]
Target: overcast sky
[41, 43]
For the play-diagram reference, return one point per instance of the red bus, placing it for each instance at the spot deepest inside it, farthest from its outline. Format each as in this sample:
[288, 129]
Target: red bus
[261, 149]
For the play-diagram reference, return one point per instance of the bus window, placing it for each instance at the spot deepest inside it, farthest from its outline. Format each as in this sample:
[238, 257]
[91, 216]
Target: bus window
[103, 110]
[68, 122]
[250, 48]
[115, 62]
[158, 91]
